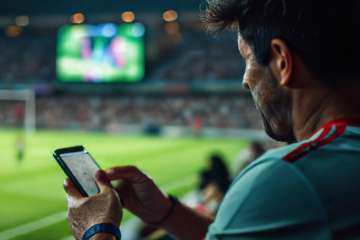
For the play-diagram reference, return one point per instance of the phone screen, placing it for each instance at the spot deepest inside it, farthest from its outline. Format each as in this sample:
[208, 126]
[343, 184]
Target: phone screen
[83, 167]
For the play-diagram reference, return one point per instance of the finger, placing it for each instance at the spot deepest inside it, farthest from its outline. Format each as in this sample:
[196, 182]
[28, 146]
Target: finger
[124, 192]
[130, 173]
[101, 181]
[71, 190]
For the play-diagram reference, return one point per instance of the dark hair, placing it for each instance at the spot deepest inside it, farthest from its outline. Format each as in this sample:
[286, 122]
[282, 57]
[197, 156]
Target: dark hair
[219, 173]
[259, 150]
[205, 179]
[257, 146]
[323, 33]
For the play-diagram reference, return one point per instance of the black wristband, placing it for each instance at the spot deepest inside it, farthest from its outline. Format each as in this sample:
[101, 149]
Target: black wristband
[102, 227]
[174, 201]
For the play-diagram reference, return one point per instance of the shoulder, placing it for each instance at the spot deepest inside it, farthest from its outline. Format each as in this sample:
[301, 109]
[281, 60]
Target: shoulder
[268, 198]
[279, 196]
[269, 160]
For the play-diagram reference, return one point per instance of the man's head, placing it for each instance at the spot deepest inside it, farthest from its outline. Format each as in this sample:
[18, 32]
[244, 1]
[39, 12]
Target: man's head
[287, 45]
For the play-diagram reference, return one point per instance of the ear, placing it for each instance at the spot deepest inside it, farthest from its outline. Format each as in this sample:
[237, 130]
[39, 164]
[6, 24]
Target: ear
[281, 61]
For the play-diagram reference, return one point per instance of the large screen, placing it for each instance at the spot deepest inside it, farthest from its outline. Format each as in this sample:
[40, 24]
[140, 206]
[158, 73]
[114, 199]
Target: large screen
[104, 53]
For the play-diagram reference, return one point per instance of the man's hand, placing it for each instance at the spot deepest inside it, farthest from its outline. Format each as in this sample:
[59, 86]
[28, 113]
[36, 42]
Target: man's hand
[83, 213]
[139, 193]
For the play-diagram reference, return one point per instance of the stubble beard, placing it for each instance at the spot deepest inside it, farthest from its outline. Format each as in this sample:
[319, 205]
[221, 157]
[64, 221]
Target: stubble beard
[283, 132]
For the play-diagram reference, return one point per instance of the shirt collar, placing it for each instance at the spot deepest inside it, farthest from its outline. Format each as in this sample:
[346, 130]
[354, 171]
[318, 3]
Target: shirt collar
[345, 121]
[353, 121]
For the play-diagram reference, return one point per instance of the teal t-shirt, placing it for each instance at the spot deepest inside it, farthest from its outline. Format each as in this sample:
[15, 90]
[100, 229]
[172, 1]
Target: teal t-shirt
[307, 190]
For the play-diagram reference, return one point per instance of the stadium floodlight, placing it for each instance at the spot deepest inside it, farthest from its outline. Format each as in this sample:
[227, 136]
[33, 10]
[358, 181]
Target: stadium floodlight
[22, 21]
[77, 18]
[13, 31]
[29, 97]
[170, 16]
[128, 17]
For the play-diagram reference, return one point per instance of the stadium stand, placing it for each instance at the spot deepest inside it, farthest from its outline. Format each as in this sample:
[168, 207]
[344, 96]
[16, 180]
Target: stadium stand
[27, 58]
[95, 113]
[12, 113]
[92, 113]
[31, 57]
[45, 7]
[203, 59]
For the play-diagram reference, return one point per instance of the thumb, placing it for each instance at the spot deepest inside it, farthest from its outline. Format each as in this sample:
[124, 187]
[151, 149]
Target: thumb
[101, 181]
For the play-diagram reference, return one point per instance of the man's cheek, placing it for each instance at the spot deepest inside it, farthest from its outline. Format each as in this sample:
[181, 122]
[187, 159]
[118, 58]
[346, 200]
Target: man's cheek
[257, 94]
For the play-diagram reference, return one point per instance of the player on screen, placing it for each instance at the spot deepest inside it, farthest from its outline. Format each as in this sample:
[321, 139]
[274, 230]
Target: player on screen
[302, 70]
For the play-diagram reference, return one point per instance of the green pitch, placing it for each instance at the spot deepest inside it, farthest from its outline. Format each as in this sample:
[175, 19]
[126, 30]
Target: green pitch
[33, 202]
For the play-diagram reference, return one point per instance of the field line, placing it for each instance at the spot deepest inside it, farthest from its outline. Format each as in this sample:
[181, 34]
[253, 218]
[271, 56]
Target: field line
[178, 183]
[47, 221]
[32, 226]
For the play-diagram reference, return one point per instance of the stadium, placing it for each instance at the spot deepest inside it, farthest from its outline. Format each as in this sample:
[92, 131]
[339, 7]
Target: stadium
[136, 83]
[143, 119]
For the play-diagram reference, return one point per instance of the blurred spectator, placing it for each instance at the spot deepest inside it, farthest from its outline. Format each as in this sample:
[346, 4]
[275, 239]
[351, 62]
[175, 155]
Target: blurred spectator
[30, 57]
[247, 156]
[213, 185]
[196, 124]
[95, 113]
[12, 113]
[215, 181]
[198, 58]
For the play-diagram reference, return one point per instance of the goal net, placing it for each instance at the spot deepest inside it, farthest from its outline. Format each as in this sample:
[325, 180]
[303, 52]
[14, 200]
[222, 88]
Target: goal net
[21, 103]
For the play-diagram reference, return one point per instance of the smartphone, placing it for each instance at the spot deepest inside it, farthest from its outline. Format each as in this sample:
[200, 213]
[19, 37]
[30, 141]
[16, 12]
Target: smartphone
[80, 168]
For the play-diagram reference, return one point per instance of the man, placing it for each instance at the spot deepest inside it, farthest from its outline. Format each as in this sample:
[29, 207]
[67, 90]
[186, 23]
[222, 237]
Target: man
[196, 124]
[302, 69]
[20, 146]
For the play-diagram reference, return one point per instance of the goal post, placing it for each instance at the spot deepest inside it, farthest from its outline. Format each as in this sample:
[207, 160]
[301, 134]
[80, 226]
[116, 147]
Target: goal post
[29, 97]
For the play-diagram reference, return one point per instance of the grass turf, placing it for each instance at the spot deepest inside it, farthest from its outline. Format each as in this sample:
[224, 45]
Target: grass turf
[32, 189]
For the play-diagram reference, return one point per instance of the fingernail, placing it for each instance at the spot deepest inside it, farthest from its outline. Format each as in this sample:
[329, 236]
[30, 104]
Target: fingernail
[100, 175]
[65, 183]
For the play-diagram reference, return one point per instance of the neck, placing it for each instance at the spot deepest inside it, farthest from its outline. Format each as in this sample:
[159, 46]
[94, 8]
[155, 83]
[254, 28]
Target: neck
[313, 108]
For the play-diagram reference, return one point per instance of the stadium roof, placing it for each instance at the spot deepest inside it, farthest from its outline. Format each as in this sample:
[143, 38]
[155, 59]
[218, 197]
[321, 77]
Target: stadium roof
[54, 7]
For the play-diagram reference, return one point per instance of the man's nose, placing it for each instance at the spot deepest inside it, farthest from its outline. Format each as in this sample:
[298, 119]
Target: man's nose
[245, 84]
